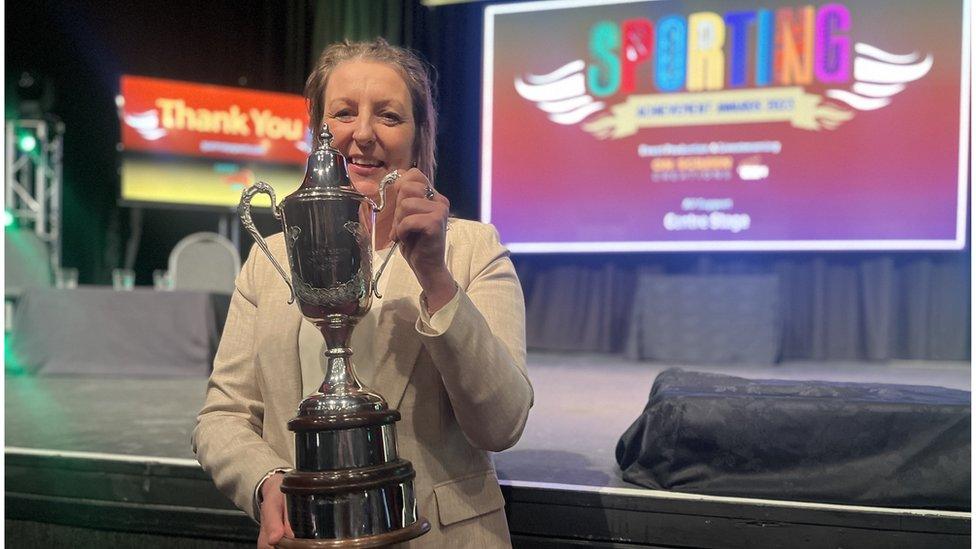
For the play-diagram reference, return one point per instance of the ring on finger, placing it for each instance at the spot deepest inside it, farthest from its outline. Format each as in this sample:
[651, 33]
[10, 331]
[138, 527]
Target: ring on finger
[429, 194]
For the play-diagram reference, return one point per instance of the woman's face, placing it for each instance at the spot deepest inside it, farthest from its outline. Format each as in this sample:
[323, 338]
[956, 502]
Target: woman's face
[370, 114]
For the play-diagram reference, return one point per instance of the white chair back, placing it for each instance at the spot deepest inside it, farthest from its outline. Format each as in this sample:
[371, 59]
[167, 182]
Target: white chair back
[204, 261]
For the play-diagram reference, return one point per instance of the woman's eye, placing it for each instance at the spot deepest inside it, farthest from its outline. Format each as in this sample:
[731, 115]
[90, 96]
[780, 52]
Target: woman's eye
[391, 118]
[344, 116]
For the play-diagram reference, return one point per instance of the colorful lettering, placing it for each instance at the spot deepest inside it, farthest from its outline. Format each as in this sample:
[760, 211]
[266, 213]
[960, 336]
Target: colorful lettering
[764, 47]
[794, 46]
[638, 37]
[708, 51]
[706, 59]
[832, 57]
[672, 50]
[604, 39]
[737, 23]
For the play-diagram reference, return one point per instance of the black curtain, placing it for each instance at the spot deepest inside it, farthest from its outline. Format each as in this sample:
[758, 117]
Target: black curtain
[832, 306]
[337, 20]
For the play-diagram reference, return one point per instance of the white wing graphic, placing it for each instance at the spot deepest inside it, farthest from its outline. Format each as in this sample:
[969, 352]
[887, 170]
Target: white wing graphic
[560, 93]
[146, 123]
[880, 75]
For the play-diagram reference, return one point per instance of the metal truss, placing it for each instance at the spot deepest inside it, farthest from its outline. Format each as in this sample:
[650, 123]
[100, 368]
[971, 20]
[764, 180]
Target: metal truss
[33, 180]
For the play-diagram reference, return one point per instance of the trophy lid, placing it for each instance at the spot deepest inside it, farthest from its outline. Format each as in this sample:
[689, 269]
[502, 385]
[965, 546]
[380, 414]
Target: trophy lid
[326, 168]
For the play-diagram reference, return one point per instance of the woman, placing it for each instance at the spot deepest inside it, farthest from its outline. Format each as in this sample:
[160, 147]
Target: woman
[445, 347]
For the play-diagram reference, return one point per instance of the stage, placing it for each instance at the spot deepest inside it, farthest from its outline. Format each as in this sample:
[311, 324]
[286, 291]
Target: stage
[96, 456]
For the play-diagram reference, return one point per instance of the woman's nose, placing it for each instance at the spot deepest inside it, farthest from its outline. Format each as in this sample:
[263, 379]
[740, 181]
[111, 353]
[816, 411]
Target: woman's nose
[363, 134]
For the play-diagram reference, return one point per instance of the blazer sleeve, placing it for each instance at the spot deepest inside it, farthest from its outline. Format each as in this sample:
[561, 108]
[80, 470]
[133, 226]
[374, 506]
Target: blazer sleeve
[481, 355]
[227, 438]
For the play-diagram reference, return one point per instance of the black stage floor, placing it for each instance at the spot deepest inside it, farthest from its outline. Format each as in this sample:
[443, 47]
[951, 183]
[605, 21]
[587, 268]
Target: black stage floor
[113, 453]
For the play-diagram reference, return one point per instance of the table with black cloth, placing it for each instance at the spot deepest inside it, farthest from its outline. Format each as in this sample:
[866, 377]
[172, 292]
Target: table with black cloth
[98, 330]
[869, 444]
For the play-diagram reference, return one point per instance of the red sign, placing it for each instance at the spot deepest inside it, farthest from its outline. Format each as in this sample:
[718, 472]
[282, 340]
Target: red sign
[166, 116]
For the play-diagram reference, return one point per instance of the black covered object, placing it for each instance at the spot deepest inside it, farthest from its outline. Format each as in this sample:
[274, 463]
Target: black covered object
[848, 443]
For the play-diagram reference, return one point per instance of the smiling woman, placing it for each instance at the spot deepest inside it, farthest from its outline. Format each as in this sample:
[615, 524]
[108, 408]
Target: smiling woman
[369, 111]
[413, 73]
[445, 345]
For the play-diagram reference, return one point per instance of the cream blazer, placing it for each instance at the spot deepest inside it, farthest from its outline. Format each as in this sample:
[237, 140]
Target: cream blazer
[462, 393]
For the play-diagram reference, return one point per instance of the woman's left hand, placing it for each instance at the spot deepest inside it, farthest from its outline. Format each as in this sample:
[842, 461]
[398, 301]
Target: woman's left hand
[420, 225]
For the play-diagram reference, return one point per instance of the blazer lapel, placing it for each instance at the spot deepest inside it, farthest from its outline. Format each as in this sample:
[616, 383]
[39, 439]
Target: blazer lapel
[396, 334]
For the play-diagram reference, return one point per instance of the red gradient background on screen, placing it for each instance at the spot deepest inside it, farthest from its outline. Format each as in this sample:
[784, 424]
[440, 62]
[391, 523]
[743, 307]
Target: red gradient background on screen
[182, 118]
[889, 174]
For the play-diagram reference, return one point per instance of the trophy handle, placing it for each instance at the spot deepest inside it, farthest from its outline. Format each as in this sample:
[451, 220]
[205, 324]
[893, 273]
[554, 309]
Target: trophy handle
[384, 183]
[244, 211]
[376, 279]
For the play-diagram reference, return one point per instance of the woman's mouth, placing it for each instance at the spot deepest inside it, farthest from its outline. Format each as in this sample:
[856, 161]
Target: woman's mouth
[365, 166]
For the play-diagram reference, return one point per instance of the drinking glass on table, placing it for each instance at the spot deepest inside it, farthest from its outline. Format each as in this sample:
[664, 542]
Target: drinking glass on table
[162, 280]
[66, 278]
[123, 279]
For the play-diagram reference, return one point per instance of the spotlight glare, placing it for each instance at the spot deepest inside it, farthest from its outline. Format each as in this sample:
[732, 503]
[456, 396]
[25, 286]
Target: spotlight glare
[27, 143]
[8, 218]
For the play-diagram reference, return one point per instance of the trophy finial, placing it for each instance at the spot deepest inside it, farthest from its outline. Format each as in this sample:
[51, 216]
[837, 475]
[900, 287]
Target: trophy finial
[326, 166]
[325, 137]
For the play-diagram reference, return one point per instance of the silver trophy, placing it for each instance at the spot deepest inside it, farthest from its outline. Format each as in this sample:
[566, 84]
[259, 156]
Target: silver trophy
[349, 487]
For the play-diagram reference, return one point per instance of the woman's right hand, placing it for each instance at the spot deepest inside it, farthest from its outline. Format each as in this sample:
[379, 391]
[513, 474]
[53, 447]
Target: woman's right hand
[274, 514]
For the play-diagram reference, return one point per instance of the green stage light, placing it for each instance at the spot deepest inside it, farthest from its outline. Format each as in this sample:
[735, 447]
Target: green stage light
[27, 143]
[8, 218]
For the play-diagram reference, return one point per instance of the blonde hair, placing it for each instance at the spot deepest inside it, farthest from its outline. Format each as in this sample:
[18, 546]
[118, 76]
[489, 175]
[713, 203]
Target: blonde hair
[417, 74]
